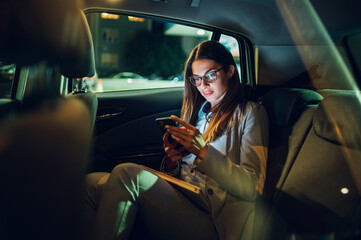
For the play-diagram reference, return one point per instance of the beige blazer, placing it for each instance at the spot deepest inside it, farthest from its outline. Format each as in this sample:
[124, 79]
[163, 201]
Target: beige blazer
[235, 179]
[235, 169]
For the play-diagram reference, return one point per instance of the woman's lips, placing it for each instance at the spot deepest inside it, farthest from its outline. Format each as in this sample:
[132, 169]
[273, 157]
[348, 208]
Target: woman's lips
[207, 93]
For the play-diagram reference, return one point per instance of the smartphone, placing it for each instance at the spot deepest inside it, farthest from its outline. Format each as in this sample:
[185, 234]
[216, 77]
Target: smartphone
[162, 122]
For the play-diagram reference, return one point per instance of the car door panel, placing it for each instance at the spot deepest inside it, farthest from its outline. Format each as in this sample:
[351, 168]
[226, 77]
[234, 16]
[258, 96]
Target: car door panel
[125, 130]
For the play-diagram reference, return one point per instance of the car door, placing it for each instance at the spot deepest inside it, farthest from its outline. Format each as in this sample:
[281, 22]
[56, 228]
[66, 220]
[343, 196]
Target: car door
[125, 129]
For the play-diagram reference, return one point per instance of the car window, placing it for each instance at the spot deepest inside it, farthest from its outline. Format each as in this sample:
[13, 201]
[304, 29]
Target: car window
[142, 53]
[232, 45]
[7, 72]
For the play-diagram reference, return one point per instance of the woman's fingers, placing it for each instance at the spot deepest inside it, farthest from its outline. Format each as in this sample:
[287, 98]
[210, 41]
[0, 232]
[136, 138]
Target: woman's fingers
[182, 132]
[181, 140]
[165, 139]
[173, 155]
[182, 135]
[188, 136]
[183, 123]
[186, 132]
[181, 149]
[192, 140]
[167, 142]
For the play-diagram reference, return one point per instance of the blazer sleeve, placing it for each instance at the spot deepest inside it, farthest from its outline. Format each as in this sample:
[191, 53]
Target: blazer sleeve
[243, 178]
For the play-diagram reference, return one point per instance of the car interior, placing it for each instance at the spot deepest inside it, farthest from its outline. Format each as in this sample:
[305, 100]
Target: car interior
[82, 82]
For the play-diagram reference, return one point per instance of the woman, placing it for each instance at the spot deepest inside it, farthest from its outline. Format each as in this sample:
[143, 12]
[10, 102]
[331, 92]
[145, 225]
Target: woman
[223, 151]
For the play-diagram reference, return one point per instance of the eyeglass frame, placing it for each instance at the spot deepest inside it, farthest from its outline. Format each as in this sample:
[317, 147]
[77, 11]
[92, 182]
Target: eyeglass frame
[203, 78]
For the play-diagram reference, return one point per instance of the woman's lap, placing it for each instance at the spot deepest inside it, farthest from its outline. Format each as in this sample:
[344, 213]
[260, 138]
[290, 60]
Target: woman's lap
[165, 211]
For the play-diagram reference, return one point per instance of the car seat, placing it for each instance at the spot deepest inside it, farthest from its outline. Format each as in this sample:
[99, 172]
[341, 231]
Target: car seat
[321, 193]
[290, 115]
[44, 143]
[318, 194]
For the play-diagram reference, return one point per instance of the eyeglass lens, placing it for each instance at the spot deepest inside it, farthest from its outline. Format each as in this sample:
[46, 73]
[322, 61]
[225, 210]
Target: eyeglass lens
[209, 78]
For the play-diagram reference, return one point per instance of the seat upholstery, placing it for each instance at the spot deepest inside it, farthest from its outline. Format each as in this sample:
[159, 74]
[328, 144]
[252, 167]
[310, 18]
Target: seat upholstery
[327, 165]
[45, 142]
[319, 190]
[290, 115]
[284, 107]
[44, 154]
[53, 31]
[89, 98]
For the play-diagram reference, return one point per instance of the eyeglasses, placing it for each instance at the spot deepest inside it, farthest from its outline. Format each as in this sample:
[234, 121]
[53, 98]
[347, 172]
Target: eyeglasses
[209, 77]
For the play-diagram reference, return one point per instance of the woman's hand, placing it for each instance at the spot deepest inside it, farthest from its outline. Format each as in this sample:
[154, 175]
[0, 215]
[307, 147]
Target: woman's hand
[189, 136]
[173, 150]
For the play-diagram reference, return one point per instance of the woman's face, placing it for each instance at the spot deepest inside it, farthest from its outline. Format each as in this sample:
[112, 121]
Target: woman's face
[212, 92]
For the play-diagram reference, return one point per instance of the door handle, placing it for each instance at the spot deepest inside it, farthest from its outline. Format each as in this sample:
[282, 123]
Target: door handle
[109, 115]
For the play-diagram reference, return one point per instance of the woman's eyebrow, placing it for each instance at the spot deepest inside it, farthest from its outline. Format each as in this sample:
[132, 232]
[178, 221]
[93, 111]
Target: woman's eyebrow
[212, 69]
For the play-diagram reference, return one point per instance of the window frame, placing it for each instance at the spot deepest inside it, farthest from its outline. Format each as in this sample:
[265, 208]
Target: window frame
[246, 48]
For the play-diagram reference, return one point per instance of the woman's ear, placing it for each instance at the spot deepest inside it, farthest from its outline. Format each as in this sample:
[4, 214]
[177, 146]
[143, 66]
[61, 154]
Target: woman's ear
[230, 71]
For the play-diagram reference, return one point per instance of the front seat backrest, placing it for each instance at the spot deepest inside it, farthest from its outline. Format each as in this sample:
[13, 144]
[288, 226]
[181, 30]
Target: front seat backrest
[44, 147]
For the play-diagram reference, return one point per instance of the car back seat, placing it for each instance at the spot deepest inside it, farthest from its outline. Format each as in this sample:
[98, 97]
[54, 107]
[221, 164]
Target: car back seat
[319, 192]
[290, 113]
[284, 107]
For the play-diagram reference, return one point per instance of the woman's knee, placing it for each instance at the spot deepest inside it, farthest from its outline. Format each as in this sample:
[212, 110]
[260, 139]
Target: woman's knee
[127, 169]
[96, 178]
[132, 175]
[94, 183]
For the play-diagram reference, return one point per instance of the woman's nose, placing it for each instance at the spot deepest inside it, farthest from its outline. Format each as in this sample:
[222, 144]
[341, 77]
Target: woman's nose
[204, 83]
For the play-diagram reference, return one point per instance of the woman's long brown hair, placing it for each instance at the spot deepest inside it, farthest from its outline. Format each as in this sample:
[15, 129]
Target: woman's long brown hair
[221, 117]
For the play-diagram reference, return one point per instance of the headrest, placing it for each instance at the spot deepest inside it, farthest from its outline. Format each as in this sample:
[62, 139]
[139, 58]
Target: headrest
[52, 31]
[338, 119]
[326, 92]
[284, 105]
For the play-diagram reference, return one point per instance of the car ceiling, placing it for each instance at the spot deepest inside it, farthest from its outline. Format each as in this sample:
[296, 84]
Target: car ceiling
[259, 20]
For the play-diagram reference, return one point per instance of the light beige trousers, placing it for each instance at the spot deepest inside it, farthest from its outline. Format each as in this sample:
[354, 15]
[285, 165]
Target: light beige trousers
[130, 194]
